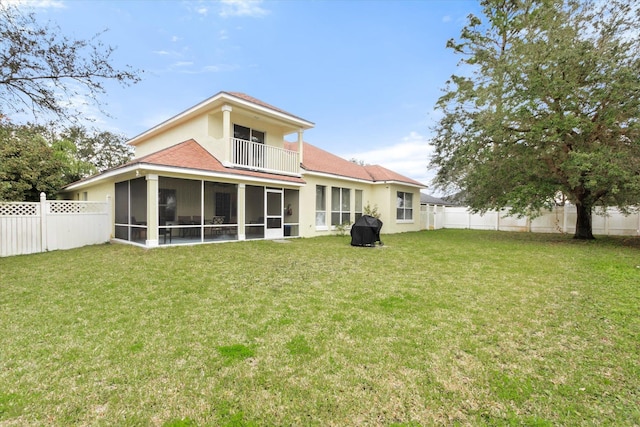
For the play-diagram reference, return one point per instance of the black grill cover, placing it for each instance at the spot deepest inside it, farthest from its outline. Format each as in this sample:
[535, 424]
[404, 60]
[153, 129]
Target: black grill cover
[366, 231]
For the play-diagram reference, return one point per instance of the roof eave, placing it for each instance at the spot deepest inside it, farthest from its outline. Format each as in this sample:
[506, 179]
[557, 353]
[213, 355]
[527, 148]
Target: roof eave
[396, 182]
[295, 122]
[154, 168]
[368, 181]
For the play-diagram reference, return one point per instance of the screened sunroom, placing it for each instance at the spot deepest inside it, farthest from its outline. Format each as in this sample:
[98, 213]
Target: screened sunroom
[190, 211]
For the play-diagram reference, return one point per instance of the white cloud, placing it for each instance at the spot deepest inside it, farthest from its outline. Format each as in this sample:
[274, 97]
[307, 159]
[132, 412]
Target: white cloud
[202, 10]
[223, 35]
[249, 8]
[446, 18]
[410, 157]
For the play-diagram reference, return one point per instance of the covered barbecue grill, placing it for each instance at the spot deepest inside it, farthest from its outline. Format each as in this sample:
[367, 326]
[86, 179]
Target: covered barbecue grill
[366, 231]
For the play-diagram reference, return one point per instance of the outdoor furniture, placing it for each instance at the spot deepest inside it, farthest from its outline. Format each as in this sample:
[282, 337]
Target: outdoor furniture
[164, 231]
[183, 220]
[138, 232]
[196, 220]
[217, 220]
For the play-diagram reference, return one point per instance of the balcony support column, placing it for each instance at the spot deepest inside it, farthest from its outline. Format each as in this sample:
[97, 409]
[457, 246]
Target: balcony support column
[242, 191]
[226, 134]
[152, 210]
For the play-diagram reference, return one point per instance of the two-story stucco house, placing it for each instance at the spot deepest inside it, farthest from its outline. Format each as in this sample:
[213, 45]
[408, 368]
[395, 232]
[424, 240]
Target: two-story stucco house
[222, 170]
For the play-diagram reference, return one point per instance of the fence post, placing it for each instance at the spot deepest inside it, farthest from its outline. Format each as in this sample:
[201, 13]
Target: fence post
[44, 246]
[564, 217]
[435, 217]
[426, 225]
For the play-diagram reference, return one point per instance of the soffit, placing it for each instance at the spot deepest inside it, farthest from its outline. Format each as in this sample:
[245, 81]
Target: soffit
[240, 104]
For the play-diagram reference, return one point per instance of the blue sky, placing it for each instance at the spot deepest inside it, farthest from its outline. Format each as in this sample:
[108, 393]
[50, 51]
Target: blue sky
[367, 73]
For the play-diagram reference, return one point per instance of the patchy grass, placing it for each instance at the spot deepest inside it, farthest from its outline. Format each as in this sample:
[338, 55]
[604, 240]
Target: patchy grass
[449, 327]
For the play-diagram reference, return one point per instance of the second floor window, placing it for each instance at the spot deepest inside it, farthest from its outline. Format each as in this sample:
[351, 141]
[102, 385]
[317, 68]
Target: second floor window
[248, 134]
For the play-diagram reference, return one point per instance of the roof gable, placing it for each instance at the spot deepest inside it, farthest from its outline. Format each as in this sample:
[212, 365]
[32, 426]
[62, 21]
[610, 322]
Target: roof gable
[256, 101]
[187, 154]
[238, 99]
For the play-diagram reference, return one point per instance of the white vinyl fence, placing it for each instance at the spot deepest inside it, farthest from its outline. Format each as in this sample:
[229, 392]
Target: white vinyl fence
[30, 227]
[561, 219]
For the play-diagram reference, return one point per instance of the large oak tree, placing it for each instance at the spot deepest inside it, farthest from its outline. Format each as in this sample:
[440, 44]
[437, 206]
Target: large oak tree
[546, 106]
[46, 74]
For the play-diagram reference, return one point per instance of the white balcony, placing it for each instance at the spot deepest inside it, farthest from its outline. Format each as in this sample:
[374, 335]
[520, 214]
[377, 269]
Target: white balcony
[264, 158]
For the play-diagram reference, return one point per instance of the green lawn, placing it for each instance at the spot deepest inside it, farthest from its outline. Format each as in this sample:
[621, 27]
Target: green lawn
[449, 327]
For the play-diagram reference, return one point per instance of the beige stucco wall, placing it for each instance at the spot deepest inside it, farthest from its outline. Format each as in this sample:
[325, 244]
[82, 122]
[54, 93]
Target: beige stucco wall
[196, 128]
[207, 130]
[386, 195]
[383, 196]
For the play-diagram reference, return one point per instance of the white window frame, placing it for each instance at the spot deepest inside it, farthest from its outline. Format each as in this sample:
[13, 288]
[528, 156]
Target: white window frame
[252, 138]
[358, 208]
[404, 205]
[341, 209]
[321, 211]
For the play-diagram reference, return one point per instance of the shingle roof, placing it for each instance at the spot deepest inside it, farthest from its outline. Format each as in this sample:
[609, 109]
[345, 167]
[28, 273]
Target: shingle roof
[191, 155]
[318, 160]
[187, 154]
[431, 200]
[256, 101]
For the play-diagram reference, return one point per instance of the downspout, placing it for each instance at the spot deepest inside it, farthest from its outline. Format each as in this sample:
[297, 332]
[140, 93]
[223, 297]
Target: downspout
[300, 144]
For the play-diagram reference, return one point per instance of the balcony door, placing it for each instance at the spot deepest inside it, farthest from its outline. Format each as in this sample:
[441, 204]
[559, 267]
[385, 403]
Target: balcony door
[274, 208]
[250, 153]
[248, 134]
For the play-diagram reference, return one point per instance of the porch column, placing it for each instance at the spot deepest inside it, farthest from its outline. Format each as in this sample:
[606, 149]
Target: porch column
[241, 211]
[300, 144]
[226, 134]
[152, 210]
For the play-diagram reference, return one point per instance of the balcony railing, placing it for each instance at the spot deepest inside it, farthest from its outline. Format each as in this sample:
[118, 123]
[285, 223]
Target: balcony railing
[265, 158]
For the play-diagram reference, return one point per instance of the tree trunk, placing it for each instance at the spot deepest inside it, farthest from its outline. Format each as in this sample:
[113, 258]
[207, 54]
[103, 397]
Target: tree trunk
[584, 229]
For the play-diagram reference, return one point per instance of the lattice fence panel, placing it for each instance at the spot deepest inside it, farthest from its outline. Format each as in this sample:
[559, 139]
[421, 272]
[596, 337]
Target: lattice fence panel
[19, 209]
[73, 207]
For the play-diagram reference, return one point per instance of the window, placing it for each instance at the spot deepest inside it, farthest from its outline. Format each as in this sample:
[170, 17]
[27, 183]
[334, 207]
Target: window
[340, 205]
[358, 207]
[248, 134]
[321, 206]
[404, 208]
